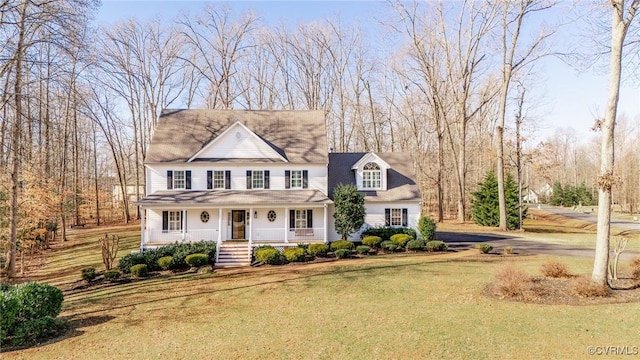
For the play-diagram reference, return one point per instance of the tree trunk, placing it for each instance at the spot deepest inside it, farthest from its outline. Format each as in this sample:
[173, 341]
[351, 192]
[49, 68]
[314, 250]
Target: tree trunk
[16, 147]
[606, 178]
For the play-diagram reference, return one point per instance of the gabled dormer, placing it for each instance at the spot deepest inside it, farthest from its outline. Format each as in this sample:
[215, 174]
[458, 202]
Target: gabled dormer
[239, 142]
[371, 172]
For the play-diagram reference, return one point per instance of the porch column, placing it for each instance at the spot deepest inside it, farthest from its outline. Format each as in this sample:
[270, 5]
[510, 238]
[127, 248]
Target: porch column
[286, 225]
[219, 225]
[184, 224]
[251, 225]
[143, 232]
[326, 223]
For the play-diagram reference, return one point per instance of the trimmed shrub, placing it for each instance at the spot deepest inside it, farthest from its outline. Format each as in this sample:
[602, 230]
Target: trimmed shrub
[635, 268]
[389, 245]
[508, 250]
[294, 254]
[555, 269]
[197, 260]
[341, 244]
[165, 262]
[268, 255]
[304, 246]
[386, 232]
[37, 300]
[363, 249]
[484, 248]
[372, 241]
[182, 250]
[342, 253]
[318, 249]
[9, 307]
[140, 270]
[435, 246]
[586, 288]
[415, 245]
[401, 239]
[88, 274]
[427, 228]
[112, 274]
[126, 262]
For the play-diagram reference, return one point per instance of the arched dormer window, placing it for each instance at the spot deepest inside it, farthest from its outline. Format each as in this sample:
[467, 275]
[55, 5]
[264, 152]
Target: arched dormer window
[371, 176]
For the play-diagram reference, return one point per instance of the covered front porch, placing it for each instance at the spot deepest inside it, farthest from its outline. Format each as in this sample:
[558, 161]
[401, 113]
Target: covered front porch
[266, 219]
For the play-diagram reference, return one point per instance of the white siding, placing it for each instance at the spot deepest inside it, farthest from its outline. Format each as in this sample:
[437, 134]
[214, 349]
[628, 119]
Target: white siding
[238, 143]
[375, 217]
[157, 175]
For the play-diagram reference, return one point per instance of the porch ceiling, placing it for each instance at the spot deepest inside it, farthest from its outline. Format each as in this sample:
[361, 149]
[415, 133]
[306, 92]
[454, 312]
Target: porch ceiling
[234, 197]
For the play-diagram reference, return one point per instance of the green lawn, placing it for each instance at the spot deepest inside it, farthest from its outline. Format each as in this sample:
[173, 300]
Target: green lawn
[395, 307]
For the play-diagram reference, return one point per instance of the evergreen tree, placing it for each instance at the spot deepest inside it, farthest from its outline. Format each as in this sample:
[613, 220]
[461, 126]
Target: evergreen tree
[557, 197]
[485, 207]
[350, 211]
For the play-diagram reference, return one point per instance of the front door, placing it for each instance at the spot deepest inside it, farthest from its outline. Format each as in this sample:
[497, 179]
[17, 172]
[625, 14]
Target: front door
[237, 224]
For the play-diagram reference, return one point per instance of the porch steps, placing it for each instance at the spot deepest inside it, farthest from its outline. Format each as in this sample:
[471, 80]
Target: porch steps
[234, 254]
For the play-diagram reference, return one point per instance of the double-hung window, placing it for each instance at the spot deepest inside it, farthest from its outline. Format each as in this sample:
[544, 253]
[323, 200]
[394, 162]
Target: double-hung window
[396, 217]
[257, 179]
[178, 179]
[218, 179]
[296, 179]
[171, 221]
[371, 176]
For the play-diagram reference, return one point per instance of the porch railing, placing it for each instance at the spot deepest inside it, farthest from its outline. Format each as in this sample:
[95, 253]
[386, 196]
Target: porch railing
[168, 237]
[277, 235]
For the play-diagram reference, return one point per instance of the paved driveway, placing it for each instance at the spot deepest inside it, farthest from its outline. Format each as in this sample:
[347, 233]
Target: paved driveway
[531, 246]
[590, 214]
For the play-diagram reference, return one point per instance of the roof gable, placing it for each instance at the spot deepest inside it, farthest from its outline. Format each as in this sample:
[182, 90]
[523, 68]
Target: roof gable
[296, 136]
[370, 157]
[238, 142]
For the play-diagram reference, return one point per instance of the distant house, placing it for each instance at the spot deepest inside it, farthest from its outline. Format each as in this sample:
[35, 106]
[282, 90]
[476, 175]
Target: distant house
[248, 178]
[132, 196]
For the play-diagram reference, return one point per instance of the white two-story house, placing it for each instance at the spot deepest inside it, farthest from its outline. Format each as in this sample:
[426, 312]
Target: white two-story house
[248, 178]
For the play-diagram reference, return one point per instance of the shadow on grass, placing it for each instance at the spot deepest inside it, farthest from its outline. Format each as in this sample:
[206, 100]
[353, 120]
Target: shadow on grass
[73, 325]
[150, 287]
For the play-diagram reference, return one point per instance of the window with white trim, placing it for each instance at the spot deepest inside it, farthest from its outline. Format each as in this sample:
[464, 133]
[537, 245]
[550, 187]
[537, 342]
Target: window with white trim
[171, 221]
[371, 176]
[218, 179]
[396, 217]
[257, 179]
[296, 179]
[301, 219]
[179, 179]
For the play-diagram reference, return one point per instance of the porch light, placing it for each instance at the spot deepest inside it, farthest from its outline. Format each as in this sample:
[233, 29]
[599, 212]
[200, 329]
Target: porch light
[255, 214]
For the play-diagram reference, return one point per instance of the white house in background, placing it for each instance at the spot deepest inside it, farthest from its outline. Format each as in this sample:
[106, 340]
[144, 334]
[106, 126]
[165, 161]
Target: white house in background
[130, 188]
[248, 178]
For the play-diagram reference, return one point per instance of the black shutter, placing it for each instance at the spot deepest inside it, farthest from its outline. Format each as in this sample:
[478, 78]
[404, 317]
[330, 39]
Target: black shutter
[248, 179]
[287, 179]
[305, 179]
[169, 179]
[185, 220]
[227, 179]
[309, 218]
[405, 217]
[209, 179]
[292, 219]
[387, 217]
[266, 179]
[187, 182]
[165, 220]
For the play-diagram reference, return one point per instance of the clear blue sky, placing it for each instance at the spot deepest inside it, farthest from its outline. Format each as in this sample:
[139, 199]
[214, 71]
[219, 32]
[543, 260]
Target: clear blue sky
[566, 98]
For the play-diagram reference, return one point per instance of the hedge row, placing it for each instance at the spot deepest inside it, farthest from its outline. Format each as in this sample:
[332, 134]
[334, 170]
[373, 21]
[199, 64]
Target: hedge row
[177, 252]
[387, 232]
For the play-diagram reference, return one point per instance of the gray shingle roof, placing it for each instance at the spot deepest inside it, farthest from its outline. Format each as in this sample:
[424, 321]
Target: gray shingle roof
[299, 136]
[401, 184]
[234, 197]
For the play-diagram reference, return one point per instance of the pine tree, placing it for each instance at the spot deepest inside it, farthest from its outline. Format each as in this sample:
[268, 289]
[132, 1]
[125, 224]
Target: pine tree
[484, 205]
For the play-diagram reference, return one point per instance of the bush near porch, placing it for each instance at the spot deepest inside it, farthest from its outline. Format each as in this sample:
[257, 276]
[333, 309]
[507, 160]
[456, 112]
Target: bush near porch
[177, 252]
[387, 232]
